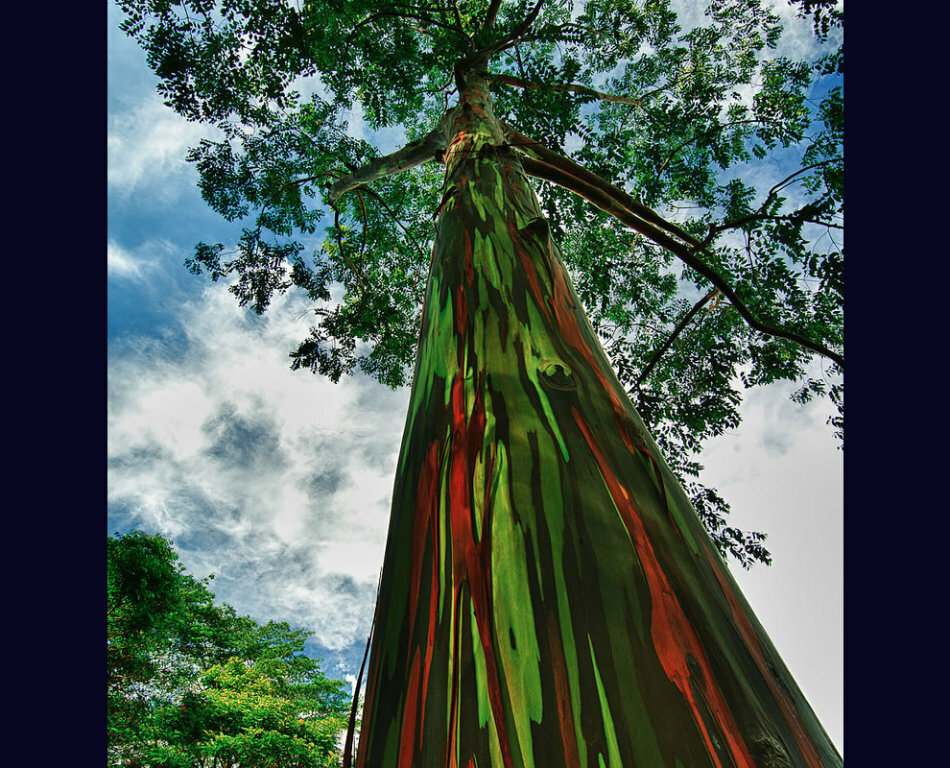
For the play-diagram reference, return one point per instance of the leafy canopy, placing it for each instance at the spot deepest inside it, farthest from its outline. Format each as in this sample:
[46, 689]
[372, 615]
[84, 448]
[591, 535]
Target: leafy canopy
[693, 115]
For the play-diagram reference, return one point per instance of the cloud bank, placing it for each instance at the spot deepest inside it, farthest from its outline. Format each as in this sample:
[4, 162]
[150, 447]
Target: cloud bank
[277, 481]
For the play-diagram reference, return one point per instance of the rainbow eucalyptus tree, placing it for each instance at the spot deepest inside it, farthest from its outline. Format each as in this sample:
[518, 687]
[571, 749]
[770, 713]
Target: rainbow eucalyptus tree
[554, 590]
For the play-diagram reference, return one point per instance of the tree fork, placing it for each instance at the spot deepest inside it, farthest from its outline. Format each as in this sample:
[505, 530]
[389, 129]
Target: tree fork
[548, 596]
[541, 162]
[429, 147]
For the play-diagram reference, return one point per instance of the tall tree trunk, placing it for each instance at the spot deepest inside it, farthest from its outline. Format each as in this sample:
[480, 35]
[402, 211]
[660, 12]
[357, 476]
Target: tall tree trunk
[549, 596]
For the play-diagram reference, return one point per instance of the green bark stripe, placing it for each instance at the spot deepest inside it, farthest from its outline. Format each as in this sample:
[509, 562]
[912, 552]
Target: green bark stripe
[609, 733]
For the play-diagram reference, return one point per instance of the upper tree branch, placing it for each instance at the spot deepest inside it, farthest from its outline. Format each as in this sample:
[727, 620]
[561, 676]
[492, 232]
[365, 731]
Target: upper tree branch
[681, 326]
[414, 16]
[492, 13]
[429, 147]
[613, 196]
[459, 25]
[549, 165]
[573, 88]
[803, 214]
[517, 33]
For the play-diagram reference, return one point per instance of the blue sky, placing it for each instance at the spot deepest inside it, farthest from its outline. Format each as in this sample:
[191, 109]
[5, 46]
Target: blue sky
[279, 481]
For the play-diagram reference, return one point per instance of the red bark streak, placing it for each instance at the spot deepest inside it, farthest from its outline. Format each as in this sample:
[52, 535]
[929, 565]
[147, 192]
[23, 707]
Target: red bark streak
[565, 713]
[752, 643]
[461, 311]
[531, 273]
[426, 503]
[461, 137]
[674, 638]
[409, 712]
[471, 559]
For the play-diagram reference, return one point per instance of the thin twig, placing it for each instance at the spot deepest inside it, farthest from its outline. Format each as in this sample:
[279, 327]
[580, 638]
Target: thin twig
[705, 134]
[339, 240]
[402, 226]
[676, 332]
[414, 16]
[570, 87]
[516, 34]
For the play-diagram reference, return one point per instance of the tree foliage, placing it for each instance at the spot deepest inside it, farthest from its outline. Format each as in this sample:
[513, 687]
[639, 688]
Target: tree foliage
[192, 683]
[698, 118]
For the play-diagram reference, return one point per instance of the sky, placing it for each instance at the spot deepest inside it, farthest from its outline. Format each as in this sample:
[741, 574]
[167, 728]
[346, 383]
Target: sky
[279, 482]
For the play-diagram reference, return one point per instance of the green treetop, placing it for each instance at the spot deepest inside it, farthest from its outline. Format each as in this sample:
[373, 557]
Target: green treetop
[191, 683]
[615, 110]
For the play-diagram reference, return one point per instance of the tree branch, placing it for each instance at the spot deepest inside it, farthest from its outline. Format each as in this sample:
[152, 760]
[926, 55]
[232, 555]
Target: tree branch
[573, 88]
[676, 332]
[459, 25]
[429, 147]
[609, 192]
[558, 169]
[349, 262]
[710, 132]
[492, 13]
[414, 16]
[761, 215]
[419, 249]
[516, 34]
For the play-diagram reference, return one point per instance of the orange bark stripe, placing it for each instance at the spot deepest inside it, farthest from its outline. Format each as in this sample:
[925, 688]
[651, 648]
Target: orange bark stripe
[406, 751]
[530, 271]
[562, 693]
[673, 635]
[752, 642]
[469, 566]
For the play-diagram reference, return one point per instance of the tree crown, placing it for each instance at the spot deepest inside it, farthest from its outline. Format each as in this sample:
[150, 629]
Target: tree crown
[735, 282]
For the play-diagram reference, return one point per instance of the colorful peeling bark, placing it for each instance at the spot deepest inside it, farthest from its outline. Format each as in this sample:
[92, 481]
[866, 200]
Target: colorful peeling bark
[549, 597]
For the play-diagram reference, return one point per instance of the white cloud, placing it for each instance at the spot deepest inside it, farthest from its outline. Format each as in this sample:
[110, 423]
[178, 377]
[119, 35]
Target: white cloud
[121, 263]
[798, 39]
[782, 474]
[147, 143]
[147, 261]
[277, 481]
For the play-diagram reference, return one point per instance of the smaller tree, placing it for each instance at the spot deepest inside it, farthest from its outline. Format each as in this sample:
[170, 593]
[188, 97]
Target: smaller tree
[275, 712]
[192, 683]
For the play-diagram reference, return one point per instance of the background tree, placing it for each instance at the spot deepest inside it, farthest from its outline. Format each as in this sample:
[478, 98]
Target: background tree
[269, 713]
[657, 117]
[191, 682]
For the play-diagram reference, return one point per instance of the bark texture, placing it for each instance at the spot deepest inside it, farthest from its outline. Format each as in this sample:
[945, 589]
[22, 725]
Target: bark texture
[549, 597]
